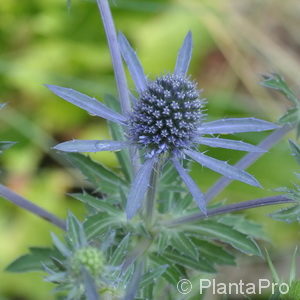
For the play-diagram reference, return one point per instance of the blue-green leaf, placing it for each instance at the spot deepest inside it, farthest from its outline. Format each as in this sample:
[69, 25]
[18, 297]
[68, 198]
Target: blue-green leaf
[100, 223]
[120, 252]
[199, 263]
[152, 275]
[277, 82]
[227, 234]
[75, 231]
[101, 205]
[183, 244]
[288, 215]
[295, 150]
[60, 246]
[32, 261]
[97, 174]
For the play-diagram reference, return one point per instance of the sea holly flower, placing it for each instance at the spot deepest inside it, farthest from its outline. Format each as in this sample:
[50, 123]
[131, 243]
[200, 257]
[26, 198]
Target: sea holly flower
[167, 120]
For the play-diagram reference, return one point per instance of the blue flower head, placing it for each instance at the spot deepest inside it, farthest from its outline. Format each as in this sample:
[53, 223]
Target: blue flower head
[166, 119]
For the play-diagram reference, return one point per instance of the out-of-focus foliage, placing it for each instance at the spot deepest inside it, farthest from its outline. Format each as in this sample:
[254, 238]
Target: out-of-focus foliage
[44, 42]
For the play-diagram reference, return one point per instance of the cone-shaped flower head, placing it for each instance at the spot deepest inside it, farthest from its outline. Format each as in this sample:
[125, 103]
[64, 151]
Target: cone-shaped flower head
[167, 115]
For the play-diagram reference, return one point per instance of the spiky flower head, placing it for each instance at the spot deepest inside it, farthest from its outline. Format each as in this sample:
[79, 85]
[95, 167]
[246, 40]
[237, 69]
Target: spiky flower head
[90, 258]
[167, 115]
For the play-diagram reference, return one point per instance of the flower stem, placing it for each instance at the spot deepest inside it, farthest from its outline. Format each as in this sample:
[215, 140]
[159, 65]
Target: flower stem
[33, 208]
[151, 195]
[115, 55]
[230, 208]
[249, 159]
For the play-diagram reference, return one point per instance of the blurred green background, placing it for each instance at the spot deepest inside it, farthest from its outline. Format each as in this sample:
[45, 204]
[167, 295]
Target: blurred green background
[45, 42]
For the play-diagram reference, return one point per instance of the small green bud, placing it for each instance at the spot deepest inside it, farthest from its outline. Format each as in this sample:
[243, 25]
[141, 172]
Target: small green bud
[89, 257]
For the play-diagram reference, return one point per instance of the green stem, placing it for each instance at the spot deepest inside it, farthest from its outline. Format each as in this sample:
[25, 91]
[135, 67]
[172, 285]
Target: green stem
[151, 195]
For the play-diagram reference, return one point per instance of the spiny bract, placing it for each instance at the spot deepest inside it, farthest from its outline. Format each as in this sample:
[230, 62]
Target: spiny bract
[167, 115]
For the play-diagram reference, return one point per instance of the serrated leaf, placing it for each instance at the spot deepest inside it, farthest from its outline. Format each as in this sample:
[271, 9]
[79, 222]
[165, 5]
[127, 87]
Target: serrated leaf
[162, 241]
[214, 253]
[243, 225]
[173, 273]
[100, 223]
[117, 133]
[183, 244]
[133, 285]
[152, 275]
[96, 173]
[32, 261]
[199, 264]
[120, 252]
[290, 117]
[275, 81]
[99, 204]
[288, 215]
[227, 234]
[75, 232]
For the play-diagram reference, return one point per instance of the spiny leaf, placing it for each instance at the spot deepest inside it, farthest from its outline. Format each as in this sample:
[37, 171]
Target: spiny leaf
[214, 253]
[292, 116]
[60, 246]
[225, 234]
[183, 244]
[277, 82]
[89, 286]
[100, 223]
[4, 145]
[120, 252]
[152, 275]
[75, 232]
[32, 261]
[96, 173]
[197, 264]
[101, 205]
[288, 215]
